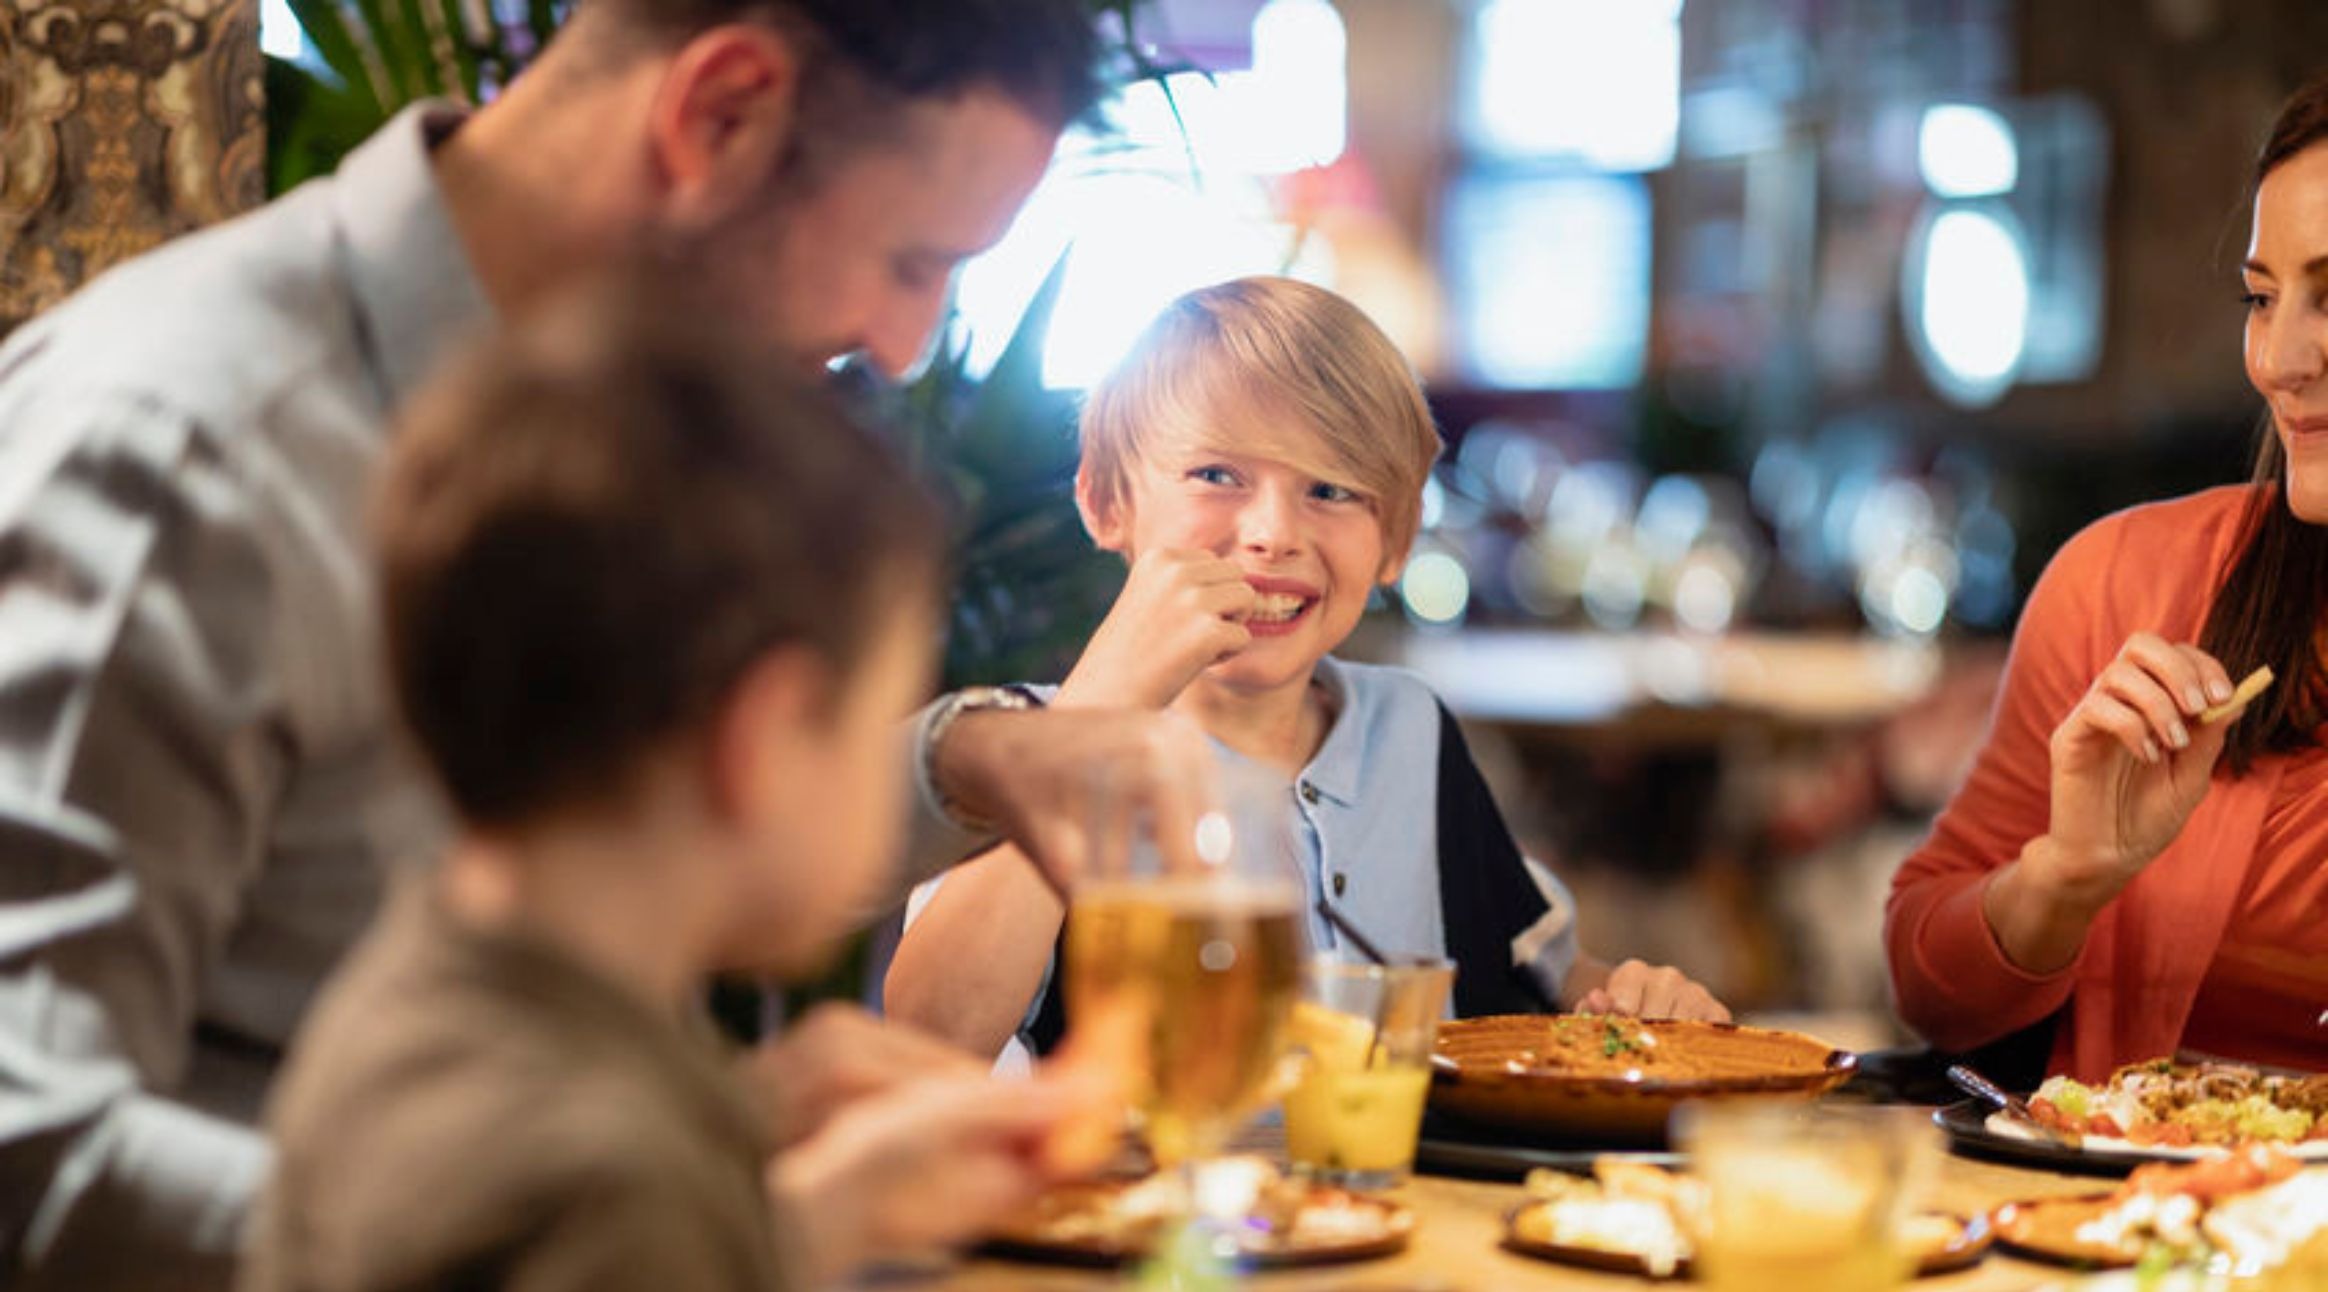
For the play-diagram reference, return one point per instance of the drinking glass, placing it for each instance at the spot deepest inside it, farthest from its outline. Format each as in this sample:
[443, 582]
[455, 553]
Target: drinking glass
[1806, 1197]
[1362, 1038]
[1183, 959]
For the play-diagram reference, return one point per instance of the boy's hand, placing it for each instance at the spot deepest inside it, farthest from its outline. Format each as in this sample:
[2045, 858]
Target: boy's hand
[1180, 613]
[927, 1165]
[834, 1056]
[1652, 991]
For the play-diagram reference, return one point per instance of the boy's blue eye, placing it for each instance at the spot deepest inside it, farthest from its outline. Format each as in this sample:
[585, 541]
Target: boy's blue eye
[1214, 475]
[1325, 492]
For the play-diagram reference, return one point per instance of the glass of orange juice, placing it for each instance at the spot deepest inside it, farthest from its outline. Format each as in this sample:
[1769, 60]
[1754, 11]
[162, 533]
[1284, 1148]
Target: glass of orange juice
[1361, 1050]
[1806, 1197]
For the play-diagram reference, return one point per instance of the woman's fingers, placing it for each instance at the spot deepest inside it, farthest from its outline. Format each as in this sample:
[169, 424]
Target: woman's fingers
[2141, 692]
[2191, 676]
[2113, 718]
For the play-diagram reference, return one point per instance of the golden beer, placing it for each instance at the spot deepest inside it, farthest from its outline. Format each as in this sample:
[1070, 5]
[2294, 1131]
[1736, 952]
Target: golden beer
[1189, 982]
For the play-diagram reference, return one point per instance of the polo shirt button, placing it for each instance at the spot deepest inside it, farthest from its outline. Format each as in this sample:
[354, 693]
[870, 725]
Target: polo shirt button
[1341, 883]
[1309, 793]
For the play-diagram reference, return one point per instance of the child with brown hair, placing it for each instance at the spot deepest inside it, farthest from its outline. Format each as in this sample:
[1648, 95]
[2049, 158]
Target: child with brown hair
[652, 611]
[1259, 459]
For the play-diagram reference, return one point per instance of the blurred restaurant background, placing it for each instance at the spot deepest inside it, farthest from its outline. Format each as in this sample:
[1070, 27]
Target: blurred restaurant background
[1777, 344]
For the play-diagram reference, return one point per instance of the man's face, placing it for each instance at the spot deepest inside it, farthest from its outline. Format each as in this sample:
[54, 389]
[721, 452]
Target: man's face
[863, 260]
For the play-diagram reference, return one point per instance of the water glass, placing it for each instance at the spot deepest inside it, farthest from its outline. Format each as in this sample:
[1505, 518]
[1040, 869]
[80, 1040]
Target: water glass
[1362, 1037]
[1806, 1197]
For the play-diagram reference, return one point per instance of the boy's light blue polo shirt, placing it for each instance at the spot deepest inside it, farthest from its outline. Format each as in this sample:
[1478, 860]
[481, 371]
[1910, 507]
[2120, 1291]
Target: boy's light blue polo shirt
[1365, 825]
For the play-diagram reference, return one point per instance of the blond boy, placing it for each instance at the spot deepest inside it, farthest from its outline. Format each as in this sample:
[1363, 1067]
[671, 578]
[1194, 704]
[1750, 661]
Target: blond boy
[1259, 460]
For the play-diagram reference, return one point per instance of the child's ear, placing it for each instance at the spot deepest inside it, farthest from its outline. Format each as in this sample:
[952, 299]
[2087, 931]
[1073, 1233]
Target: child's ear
[1103, 518]
[761, 736]
[1392, 567]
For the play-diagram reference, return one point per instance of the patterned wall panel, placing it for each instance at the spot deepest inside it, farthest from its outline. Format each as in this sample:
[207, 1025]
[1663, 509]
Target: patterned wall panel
[122, 123]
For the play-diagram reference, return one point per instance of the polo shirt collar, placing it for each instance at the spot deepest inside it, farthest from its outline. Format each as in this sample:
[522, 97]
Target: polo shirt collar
[410, 276]
[1340, 766]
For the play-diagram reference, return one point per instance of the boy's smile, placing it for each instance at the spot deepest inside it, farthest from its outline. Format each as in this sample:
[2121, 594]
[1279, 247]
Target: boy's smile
[1280, 606]
[1310, 546]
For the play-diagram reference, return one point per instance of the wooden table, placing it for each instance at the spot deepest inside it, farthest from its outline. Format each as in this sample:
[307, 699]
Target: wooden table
[1456, 1249]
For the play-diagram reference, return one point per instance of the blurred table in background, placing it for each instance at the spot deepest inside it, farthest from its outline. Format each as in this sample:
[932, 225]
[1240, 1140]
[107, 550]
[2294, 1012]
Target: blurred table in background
[1660, 688]
[1733, 804]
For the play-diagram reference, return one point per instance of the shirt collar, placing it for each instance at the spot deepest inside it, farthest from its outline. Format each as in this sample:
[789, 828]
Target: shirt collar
[405, 264]
[1340, 766]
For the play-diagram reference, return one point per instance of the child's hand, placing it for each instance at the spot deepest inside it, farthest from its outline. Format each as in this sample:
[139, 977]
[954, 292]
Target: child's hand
[922, 1166]
[1180, 613]
[1101, 1062]
[1652, 991]
[838, 1054]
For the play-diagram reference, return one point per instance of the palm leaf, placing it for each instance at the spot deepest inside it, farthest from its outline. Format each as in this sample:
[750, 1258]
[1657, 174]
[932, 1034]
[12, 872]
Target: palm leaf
[311, 124]
[341, 51]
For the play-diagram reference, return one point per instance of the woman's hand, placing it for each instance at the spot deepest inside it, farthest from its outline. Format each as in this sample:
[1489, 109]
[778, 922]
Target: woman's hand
[1180, 613]
[2130, 764]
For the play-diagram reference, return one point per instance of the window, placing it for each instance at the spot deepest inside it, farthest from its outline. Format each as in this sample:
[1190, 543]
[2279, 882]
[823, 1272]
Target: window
[1175, 198]
[1547, 234]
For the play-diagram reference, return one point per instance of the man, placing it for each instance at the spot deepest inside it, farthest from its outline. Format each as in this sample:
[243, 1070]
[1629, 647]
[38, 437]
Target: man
[199, 788]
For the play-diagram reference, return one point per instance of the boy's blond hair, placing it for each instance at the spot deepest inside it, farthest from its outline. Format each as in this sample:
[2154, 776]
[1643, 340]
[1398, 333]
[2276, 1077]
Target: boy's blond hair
[1221, 355]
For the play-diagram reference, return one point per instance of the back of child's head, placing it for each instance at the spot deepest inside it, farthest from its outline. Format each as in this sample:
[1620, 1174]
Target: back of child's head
[592, 526]
[1285, 352]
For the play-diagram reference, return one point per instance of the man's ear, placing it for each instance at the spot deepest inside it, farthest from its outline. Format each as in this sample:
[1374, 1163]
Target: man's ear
[1103, 517]
[722, 121]
[759, 738]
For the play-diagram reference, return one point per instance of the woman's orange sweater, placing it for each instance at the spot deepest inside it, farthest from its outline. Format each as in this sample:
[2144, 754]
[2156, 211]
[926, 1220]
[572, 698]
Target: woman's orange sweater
[2128, 995]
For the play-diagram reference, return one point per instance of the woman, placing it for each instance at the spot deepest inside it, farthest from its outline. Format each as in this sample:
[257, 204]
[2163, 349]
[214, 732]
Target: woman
[2147, 881]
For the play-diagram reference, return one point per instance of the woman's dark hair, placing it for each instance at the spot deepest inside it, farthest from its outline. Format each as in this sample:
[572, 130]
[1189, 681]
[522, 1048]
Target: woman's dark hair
[595, 523]
[2269, 608]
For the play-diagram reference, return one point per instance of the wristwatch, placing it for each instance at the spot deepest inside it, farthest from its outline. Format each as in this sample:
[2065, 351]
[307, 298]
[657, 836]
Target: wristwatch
[970, 699]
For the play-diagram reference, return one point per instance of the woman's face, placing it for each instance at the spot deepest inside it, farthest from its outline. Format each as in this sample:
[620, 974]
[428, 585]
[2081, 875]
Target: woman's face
[2287, 320]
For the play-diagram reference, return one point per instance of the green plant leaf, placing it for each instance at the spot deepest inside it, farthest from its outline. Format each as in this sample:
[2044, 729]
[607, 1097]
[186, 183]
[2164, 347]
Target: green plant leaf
[390, 61]
[1016, 431]
[327, 30]
[311, 124]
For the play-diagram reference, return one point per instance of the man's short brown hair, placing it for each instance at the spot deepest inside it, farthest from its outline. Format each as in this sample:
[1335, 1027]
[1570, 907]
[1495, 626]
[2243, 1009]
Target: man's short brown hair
[1044, 54]
[593, 524]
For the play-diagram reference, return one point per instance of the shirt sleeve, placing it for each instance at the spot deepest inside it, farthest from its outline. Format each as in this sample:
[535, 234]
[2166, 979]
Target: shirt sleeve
[138, 764]
[1952, 981]
[1547, 949]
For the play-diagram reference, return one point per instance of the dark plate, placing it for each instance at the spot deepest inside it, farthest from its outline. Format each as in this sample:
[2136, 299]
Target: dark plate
[1454, 1146]
[1967, 1125]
